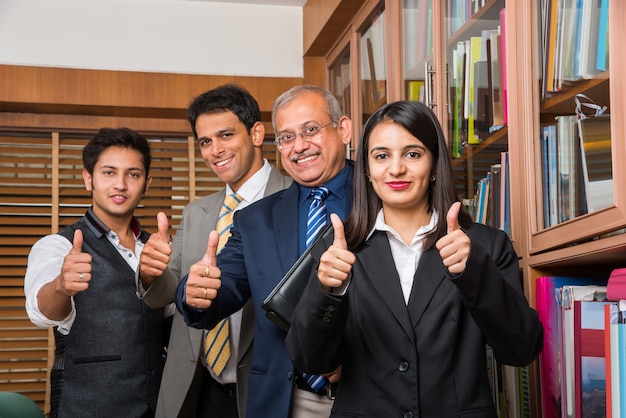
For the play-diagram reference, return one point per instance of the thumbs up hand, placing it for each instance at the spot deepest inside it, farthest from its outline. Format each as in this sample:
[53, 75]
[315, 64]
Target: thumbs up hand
[156, 252]
[76, 269]
[454, 247]
[336, 262]
[203, 280]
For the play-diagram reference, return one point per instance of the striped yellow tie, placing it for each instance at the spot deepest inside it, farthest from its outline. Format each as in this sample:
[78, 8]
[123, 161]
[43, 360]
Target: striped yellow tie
[216, 341]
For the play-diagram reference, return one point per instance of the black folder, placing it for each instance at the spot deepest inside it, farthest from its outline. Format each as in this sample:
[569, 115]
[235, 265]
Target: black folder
[280, 304]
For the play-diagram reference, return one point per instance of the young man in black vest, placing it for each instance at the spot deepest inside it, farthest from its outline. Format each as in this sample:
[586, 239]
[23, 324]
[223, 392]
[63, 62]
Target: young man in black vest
[109, 345]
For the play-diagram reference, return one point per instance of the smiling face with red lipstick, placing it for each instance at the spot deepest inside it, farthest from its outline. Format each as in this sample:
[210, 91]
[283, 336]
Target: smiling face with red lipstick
[400, 168]
[403, 167]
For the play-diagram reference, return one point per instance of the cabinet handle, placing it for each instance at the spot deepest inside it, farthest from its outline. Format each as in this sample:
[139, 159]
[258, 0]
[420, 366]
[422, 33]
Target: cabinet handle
[428, 85]
[448, 106]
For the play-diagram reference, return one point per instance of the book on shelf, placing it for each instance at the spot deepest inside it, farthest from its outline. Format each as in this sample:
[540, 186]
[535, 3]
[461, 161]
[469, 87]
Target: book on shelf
[494, 51]
[569, 38]
[342, 85]
[375, 93]
[553, 174]
[558, 52]
[550, 18]
[415, 90]
[495, 196]
[482, 199]
[511, 387]
[345, 84]
[616, 287]
[458, 64]
[570, 195]
[608, 360]
[569, 294]
[588, 51]
[550, 175]
[410, 38]
[473, 56]
[418, 33]
[595, 141]
[547, 291]
[457, 15]
[373, 68]
[545, 137]
[577, 178]
[494, 372]
[565, 189]
[578, 15]
[524, 378]
[482, 100]
[615, 352]
[602, 56]
[424, 23]
[503, 75]
[516, 388]
[615, 324]
[590, 360]
[505, 194]
[464, 94]
[574, 36]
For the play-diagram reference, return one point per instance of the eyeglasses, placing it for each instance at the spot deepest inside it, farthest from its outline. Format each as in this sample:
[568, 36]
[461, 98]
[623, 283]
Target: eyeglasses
[288, 140]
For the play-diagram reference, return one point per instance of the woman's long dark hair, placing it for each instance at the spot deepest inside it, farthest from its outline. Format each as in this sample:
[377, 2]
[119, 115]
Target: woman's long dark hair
[422, 123]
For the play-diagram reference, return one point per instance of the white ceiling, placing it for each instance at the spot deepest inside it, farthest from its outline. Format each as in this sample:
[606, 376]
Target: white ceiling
[161, 43]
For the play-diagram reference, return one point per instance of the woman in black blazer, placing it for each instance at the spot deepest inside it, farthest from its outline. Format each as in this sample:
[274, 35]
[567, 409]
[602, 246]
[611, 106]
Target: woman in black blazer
[406, 300]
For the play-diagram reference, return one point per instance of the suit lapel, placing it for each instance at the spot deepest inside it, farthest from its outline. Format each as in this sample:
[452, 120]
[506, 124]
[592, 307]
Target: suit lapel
[428, 277]
[205, 224]
[212, 208]
[380, 268]
[285, 225]
[275, 182]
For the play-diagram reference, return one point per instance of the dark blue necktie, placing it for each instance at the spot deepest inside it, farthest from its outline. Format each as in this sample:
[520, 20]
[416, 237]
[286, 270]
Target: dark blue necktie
[316, 220]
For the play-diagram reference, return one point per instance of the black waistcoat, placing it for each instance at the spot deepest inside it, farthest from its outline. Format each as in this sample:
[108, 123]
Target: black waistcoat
[110, 363]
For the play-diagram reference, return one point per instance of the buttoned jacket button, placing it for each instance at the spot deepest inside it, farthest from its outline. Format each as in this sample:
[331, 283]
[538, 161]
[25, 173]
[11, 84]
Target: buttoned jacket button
[404, 366]
[408, 415]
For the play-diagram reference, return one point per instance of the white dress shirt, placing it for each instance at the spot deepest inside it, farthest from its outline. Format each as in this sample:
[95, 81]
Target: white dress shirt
[44, 265]
[405, 257]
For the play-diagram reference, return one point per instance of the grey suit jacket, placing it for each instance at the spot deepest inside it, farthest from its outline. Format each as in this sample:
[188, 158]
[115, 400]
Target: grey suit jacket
[179, 386]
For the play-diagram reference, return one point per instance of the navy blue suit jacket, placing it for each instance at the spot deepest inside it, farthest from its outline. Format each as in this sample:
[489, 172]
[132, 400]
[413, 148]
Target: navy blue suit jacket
[262, 248]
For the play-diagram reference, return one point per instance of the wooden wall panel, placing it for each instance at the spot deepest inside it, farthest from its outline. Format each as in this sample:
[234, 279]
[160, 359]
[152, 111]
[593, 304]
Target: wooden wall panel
[119, 93]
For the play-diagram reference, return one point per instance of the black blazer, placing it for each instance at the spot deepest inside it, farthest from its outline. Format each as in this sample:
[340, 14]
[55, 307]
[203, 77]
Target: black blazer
[428, 358]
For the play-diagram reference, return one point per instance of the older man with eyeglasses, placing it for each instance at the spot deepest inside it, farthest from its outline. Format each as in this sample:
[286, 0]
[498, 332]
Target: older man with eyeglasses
[267, 238]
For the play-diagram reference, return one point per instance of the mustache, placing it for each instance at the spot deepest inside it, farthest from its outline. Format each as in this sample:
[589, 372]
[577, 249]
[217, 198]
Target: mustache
[300, 156]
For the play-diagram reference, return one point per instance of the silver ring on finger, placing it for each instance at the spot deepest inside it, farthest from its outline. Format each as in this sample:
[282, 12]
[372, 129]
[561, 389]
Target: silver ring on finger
[204, 297]
[81, 277]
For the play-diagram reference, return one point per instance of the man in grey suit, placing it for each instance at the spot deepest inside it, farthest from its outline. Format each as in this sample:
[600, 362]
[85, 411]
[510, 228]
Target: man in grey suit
[226, 123]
